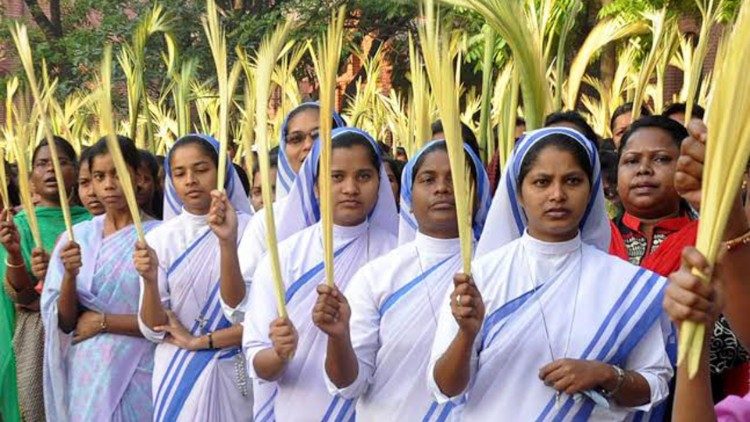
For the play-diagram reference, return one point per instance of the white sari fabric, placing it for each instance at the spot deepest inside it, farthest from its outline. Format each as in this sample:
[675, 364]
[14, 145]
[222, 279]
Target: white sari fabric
[549, 301]
[395, 301]
[301, 393]
[618, 319]
[205, 384]
[208, 385]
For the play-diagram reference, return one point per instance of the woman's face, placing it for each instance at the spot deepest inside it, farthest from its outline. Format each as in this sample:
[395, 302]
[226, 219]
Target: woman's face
[86, 191]
[622, 122]
[433, 202]
[355, 183]
[302, 130]
[256, 191]
[107, 185]
[645, 174]
[145, 187]
[43, 176]
[554, 195]
[194, 176]
[393, 180]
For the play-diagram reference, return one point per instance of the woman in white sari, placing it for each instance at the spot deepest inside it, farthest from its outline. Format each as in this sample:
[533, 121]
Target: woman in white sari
[290, 350]
[190, 277]
[381, 332]
[551, 326]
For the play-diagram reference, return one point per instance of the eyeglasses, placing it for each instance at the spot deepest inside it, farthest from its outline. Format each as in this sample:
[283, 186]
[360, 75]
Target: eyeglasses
[43, 163]
[297, 137]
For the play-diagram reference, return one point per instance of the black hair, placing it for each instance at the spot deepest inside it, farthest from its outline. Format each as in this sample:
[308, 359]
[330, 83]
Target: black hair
[397, 167]
[157, 200]
[676, 108]
[242, 174]
[63, 147]
[466, 134]
[675, 130]
[609, 160]
[127, 147]
[302, 108]
[439, 146]
[607, 144]
[562, 143]
[624, 109]
[520, 121]
[85, 155]
[273, 160]
[385, 149]
[401, 150]
[351, 139]
[574, 118]
[198, 141]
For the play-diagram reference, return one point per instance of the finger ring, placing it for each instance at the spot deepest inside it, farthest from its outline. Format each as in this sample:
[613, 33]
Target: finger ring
[458, 300]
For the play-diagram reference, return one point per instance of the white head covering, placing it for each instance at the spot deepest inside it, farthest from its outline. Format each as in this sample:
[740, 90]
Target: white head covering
[233, 185]
[507, 221]
[407, 227]
[284, 174]
[301, 208]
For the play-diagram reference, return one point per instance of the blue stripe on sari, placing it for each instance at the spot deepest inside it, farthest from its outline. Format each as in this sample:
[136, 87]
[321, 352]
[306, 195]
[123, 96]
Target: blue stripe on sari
[344, 410]
[331, 407]
[633, 337]
[190, 248]
[194, 369]
[306, 277]
[447, 409]
[182, 355]
[505, 311]
[268, 405]
[398, 294]
[432, 410]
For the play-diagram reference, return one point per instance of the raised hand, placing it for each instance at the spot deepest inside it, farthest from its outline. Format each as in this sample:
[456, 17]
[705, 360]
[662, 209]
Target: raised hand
[71, 258]
[689, 174]
[284, 337]
[222, 218]
[331, 312]
[9, 236]
[466, 304]
[39, 263]
[146, 262]
[687, 298]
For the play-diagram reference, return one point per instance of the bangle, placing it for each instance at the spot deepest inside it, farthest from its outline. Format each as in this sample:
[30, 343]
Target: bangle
[210, 341]
[620, 381]
[103, 324]
[9, 265]
[738, 241]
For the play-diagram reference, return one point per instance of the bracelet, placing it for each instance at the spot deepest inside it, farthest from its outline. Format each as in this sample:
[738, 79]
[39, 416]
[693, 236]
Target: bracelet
[210, 341]
[9, 265]
[103, 324]
[620, 382]
[738, 241]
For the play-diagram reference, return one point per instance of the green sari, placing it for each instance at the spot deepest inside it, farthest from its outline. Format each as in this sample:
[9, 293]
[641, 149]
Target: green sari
[51, 225]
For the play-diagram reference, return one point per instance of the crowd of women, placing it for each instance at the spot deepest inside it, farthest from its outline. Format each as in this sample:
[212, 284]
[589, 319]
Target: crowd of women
[568, 313]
